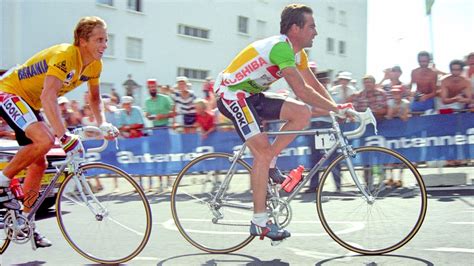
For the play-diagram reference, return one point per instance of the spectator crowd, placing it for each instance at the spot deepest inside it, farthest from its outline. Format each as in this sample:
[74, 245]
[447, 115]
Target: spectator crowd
[430, 91]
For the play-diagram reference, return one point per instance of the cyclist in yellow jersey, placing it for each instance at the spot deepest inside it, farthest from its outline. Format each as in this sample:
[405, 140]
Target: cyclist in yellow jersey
[38, 83]
[240, 88]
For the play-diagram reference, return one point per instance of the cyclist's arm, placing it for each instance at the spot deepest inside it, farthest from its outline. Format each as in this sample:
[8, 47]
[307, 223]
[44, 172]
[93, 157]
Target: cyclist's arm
[95, 103]
[311, 80]
[306, 93]
[49, 100]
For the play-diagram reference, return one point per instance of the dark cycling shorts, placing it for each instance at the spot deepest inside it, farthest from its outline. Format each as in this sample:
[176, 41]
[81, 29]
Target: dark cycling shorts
[189, 119]
[247, 113]
[19, 115]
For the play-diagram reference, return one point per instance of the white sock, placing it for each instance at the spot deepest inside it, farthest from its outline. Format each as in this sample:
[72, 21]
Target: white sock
[273, 162]
[4, 181]
[260, 219]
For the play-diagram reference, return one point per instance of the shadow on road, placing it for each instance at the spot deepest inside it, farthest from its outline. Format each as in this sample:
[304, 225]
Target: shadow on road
[227, 259]
[372, 260]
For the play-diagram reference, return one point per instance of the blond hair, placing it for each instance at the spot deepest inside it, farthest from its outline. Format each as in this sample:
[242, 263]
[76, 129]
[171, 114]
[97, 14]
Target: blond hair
[85, 26]
[201, 102]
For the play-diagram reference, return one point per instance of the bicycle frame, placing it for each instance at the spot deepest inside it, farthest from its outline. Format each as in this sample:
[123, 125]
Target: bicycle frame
[340, 143]
[74, 162]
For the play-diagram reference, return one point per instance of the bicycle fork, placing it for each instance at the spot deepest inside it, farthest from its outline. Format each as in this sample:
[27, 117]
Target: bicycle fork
[81, 183]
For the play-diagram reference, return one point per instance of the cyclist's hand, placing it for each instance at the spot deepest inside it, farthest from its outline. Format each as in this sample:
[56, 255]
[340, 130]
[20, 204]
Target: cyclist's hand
[72, 144]
[342, 110]
[109, 131]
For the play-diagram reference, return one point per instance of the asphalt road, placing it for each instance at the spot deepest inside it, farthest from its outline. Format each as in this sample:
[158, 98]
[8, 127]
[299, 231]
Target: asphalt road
[446, 238]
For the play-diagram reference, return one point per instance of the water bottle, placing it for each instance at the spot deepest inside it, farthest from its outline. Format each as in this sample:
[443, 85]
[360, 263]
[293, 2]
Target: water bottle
[16, 189]
[293, 179]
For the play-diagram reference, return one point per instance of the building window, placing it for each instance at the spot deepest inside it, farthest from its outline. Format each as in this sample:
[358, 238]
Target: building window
[330, 45]
[193, 31]
[243, 25]
[135, 5]
[193, 73]
[105, 2]
[134, 48]
[261, 29]
[342, 18]
[110, 51]
[331, 14]
[342, 47]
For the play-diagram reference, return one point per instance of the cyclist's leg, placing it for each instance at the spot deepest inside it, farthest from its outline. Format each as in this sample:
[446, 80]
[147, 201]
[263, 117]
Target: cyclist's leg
[260, 147]
[248, 125]
[296, 113]
[32, 183]
[41, 141]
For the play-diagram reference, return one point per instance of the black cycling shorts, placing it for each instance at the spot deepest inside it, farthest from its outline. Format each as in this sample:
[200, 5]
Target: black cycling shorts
[247, 113]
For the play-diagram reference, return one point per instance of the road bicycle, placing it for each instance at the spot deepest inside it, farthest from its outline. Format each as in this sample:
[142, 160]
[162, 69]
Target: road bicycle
[101, 211]
[211, 199]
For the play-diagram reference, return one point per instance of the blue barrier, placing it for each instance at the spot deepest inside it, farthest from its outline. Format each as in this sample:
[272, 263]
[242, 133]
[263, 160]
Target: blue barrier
[424, 138]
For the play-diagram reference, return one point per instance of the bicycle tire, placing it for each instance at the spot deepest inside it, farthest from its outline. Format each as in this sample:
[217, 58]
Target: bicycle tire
[4, 240]
[410, 199]
[128, 230]
[218, 236]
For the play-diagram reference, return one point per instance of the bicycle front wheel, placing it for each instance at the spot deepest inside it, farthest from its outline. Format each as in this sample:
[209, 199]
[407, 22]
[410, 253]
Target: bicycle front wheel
[211, 222]
[4, 240]
[384, 221]
[103, 213]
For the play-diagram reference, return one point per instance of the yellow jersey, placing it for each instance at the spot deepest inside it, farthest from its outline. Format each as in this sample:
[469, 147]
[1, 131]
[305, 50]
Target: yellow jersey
[62, 61]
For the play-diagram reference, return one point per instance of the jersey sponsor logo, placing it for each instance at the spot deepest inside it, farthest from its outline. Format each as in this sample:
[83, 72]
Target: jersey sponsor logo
[242, 114]
[18, 111]
[274, 71]
[86, 78]
[33, 70]
[69, 77]
[62, 66]
[245, 71]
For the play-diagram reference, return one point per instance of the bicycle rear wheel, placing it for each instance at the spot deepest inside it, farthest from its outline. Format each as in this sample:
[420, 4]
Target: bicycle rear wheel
[113, 223]
[4, 240]
[388, 222]
[219, 226]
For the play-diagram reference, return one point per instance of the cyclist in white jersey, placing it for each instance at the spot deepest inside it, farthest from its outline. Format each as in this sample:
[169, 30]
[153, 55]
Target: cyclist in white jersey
[241, 97]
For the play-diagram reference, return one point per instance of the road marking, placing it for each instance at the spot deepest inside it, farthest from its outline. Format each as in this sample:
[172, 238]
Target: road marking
[460, 222]
[147, 258]
[464, 250]
[321, 255]
[352, 227]
[126, 227]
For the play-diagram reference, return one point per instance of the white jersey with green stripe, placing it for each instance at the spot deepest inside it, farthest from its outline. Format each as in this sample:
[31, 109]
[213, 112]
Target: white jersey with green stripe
[257, 66]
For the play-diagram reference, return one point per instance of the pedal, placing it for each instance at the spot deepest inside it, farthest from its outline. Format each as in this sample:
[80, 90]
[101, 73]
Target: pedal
[12, 205]
[276, 242]
[33, 243]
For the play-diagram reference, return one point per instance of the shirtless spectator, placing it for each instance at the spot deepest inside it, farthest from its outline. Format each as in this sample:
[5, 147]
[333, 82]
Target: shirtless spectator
[76, 115]
[207, 90]
[456, 90]
[69, 119]
[372, 97]
[425, 79]
[469, 74]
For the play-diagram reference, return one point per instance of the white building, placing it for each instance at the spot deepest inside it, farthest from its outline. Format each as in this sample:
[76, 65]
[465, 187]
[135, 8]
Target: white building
[163, 39]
